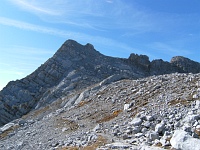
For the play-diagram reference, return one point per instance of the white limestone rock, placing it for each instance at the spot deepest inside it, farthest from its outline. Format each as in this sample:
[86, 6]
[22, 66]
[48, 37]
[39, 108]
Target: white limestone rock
[119, 145]
[151, 148]
[191, 118]
[149, 118]
[182, 140]
[195, 96]
[126, 107]
[197, 104]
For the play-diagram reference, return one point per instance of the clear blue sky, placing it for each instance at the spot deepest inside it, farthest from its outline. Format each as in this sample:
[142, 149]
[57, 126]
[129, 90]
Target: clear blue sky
[31, 31]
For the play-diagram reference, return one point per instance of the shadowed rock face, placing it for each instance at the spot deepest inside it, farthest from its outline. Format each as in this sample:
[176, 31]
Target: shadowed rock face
[163, 67]
[186, 64]
[74, 67]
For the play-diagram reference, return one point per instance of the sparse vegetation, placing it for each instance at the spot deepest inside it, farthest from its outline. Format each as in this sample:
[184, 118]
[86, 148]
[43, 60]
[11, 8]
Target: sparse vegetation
[82, 103]
[176, 101]
[8, 131]
[109, 117]
[70, 125]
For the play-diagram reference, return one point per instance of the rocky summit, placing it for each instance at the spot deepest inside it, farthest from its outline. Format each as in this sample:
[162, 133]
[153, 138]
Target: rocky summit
[82, 99]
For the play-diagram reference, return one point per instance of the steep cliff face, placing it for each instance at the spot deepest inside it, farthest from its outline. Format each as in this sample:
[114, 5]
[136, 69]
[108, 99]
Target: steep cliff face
[74, 67]
[141, 62]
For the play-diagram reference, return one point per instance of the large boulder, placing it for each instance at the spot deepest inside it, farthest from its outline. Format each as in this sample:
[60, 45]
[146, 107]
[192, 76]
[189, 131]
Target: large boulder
[183, 141]
[136, 122]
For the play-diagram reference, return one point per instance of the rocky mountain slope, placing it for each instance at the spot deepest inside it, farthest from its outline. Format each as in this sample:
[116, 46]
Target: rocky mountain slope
[81, 98]
[157, 112]
[75, 67]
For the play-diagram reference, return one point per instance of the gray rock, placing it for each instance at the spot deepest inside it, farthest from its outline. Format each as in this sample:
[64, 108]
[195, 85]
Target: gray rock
[128, 131]
[151, 148]
[144, 130]
[125, 137]
[96, 128]
[165, 140]
[136, 122]
[153, 135]
[116, 132]
[149, 118]
[160, 128]
[191, 118]
[177, 124]
[136, 129]
[187, 128]
[119, 145]
[138, 135]
[22, 122]
[147, 124]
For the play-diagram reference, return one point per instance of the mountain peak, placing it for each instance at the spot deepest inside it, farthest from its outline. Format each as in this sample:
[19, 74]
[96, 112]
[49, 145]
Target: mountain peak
[73, 43]
[70, 42]
[72, 49]
[75, 67]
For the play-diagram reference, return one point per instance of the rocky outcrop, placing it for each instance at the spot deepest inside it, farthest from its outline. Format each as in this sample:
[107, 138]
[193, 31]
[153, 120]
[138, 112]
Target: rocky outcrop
[74, 67]
[186, 64]
[159, 66]
[140, 61]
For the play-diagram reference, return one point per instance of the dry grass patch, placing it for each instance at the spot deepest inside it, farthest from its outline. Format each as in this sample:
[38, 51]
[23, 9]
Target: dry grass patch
[99, 142]
[110, 117]
[70, 125]
[82, 103]
[8, 131]
[174, 102]
[37, 112]
[40, 111]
